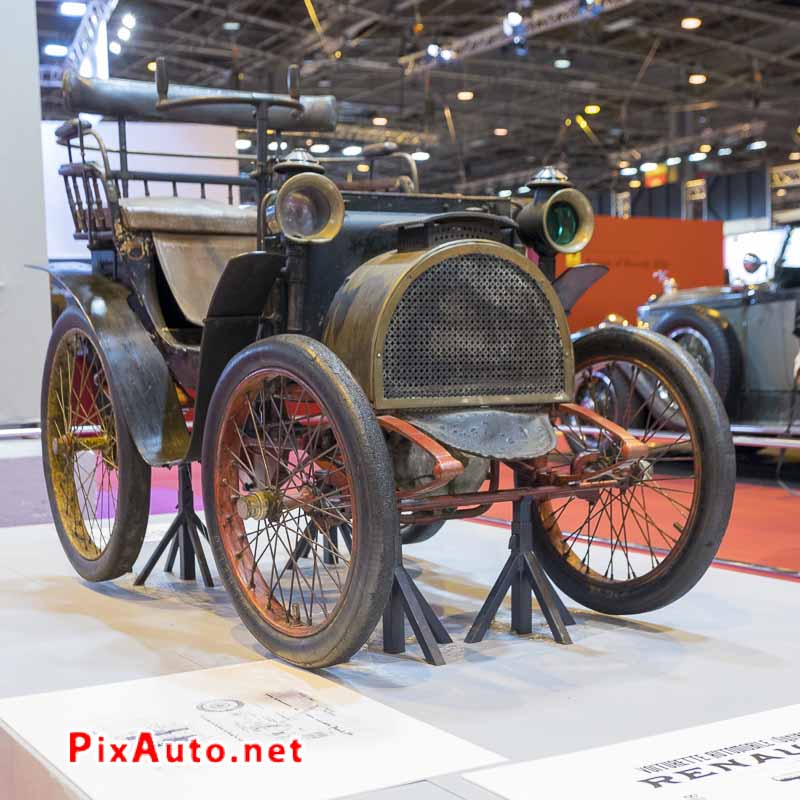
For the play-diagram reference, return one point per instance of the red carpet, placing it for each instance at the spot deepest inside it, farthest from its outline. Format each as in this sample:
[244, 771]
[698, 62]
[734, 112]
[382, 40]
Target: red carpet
[764, 529]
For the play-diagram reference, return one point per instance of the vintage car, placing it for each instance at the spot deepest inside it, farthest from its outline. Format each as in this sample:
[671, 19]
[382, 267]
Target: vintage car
[346, 363]
[747, 338]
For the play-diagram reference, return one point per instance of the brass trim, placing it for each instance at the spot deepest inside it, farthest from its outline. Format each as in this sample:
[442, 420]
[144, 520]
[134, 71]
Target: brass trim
[375, 289]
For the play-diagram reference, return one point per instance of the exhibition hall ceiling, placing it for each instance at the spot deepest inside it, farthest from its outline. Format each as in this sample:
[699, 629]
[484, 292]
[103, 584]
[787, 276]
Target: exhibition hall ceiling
[492, 90]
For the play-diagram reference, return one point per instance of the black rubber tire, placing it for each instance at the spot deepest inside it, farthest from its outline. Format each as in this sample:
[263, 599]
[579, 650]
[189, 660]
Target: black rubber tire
[373, 487]
[716, 485]
[721, 340]
[414, 534]
[133, 492]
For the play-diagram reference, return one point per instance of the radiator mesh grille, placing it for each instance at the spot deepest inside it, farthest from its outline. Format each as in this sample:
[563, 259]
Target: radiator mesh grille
[473, 325]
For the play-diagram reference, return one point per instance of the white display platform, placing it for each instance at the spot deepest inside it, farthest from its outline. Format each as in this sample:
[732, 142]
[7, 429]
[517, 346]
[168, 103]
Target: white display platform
[757, 756]
[349, 743]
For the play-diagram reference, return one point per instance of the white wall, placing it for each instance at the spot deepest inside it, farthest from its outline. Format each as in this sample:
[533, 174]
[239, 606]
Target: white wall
[24, 294]
[162, 137]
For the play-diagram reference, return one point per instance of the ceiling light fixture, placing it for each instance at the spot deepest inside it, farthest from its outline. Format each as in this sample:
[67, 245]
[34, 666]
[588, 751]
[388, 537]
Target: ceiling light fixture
[501, 131]
[691, 23]
[362, 168]
[352, 150]
[129, 21]
[73, 9]
[724, 151]
[56, 50]
[673, 161]
[624, 164]
[231, 26]
[592, 109]
[243, 144]
[514, 18]
[320, 147]
[434, 50]
[562, 63]
[380, 122]
[636, 184]
[115, 48]
[504, 193]
[759, 144]
[465, 95]
[649, 166]
[698, 157]
[794, 156]
[524, 189]
[627, 171]
[124, 33]
[698, 78]
[420, 155]
[705, 148]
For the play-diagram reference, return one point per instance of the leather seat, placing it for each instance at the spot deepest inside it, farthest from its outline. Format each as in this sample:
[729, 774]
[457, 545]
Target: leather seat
[187, 215]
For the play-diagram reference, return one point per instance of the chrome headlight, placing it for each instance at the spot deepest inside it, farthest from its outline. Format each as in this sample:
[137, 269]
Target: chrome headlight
[563, 223]
[307, 208]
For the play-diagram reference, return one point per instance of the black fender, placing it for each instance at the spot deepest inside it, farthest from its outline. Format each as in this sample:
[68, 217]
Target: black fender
[137, 368]
[574, 282]
[234, 316]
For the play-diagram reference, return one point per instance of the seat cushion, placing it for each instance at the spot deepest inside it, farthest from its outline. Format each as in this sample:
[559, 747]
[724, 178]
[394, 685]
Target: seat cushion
[193, 264]
[187, 215]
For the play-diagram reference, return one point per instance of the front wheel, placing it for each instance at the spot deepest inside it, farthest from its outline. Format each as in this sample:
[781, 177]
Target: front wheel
[650, 533]
[300, 500]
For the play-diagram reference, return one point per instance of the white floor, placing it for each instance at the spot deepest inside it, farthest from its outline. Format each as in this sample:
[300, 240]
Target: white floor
[731, 647]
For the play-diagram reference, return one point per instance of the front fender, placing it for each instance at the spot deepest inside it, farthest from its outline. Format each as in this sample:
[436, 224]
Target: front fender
[145, 388]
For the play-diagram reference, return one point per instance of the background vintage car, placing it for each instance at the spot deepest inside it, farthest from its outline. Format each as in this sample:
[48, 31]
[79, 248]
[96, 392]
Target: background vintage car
[746, 337]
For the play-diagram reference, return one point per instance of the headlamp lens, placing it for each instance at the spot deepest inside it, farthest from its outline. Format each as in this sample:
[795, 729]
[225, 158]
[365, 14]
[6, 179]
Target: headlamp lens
[562, 223]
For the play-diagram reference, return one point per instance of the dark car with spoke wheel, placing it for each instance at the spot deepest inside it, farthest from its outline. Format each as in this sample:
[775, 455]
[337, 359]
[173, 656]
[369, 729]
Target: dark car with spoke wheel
[353, 365]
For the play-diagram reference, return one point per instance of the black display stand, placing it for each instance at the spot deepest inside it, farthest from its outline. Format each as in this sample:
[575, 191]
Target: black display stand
[523, 574]
[406, 602]
[184, 533]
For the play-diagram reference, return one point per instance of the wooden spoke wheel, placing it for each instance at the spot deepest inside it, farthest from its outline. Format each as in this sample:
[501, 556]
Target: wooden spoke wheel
[646, 539]
[299, 495]
[98, 485]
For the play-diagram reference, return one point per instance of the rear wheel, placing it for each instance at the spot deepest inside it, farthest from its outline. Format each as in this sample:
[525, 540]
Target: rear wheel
[97, 483]
[643, 543]
[299, 498]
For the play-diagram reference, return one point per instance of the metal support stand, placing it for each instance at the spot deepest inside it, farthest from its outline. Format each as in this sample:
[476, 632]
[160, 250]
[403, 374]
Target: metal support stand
[523, 574]
[184, 534]
[406, 601]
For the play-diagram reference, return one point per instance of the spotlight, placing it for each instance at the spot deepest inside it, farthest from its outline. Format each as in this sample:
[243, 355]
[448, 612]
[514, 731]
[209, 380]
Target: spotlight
[337, 55]
[434, 50]
[73, 9]
[673, 161]
[243, 144]
[759, 144]
[628, 171]
[56, 50]
[698, 157]
[635, 184]
[420, 155]
[129, 21]
[151, 65]
[705, 148]
[592, 109]
[562, 63]
[352, 150]
[649, 166]
[501, 131]
[691, 23]
[380, 122]
[320, 148]
[465, 95]
[724, 151]
[124, 33]
[568, 122]
[115, 48]
[698, 78]
[362, 168]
